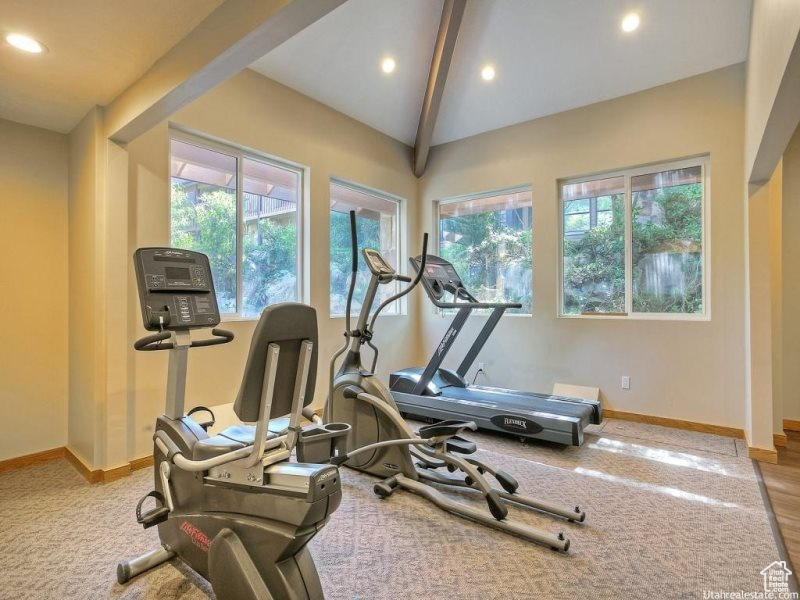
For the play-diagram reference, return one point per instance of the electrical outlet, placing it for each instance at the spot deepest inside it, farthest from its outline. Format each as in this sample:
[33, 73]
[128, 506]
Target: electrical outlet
[626, 382]
[480, 367]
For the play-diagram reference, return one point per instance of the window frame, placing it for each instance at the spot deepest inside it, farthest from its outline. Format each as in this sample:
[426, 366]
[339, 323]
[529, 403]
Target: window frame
[400, 231]
[240, 153]
[704, 162]
[437, 204]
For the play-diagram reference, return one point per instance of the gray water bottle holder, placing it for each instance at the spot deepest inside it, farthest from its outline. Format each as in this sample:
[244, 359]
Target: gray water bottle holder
[319, 443]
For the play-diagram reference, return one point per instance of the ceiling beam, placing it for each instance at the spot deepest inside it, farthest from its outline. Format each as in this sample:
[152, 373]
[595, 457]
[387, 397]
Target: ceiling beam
[232, 37]
[452, 13]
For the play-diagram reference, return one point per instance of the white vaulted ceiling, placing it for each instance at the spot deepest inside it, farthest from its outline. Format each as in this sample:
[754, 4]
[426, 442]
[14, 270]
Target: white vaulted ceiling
[549, 55]
[337, 61]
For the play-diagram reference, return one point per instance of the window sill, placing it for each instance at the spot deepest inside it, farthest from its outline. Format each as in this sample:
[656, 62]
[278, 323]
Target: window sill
[237, 318]
[640, 317]
[355, 316]
[473, 314]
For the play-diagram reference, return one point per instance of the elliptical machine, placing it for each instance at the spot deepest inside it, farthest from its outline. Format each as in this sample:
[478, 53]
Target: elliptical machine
[231, 506]
[381, 442]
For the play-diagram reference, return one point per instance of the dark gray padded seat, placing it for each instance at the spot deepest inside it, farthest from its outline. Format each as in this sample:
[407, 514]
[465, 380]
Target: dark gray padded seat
[227, 440]
[287, 324]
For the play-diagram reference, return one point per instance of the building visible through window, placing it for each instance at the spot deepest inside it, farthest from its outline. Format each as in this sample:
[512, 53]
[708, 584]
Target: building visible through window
[634, 243]
[489, 241]
[242, 211]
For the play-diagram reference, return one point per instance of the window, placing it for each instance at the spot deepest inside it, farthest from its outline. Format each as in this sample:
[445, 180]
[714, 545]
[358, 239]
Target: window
[633, 243]
[377, 226]
[488, 240]
[242, 211]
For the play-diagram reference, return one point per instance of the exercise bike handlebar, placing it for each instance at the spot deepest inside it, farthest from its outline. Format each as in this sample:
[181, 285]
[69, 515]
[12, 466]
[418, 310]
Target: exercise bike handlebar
[150, 343]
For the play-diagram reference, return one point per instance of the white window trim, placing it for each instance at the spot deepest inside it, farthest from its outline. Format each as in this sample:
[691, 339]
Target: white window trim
[435, 244]
[241, 152]
[704, 162]
[401, 234]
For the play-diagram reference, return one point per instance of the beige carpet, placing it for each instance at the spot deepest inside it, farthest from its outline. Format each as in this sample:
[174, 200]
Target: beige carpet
[670, 514]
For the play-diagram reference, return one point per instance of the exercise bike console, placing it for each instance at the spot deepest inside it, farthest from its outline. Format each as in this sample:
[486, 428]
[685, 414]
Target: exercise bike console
[176, 289]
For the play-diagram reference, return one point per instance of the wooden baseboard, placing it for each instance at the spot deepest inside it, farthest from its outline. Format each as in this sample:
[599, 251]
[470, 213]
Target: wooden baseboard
[141, 463]
[36, 458]
[109, 475]
[791, 425]
[780, 440]
[674, 423]
[92, 476]
[763, 454]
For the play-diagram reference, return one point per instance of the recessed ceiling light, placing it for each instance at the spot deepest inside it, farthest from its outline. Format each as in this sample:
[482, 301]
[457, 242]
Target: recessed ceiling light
[388, 64]
[630, 22]
[24, 43]
[488, 73]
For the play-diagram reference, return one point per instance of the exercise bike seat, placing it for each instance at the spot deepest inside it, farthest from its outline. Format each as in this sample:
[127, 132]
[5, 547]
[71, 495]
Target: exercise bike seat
[229, 439]
[446, 428]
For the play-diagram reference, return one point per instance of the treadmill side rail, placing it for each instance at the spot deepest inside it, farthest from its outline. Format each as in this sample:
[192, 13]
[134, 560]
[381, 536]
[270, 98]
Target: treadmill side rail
[559, 429]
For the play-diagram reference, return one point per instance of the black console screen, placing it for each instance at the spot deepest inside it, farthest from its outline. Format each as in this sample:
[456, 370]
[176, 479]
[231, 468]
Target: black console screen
[435, 271]
[177, 273]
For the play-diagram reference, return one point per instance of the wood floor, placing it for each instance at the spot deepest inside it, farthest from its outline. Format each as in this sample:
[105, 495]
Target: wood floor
[783, 484]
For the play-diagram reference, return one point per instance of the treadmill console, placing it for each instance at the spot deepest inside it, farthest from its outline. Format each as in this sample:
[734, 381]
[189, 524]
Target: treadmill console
[376, 263]
[440, 276]
[176, 290]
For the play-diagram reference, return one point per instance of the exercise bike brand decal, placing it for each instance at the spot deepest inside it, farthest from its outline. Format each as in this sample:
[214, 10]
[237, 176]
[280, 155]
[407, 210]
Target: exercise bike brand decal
[326, 475]
[199, 539]
[516, 424]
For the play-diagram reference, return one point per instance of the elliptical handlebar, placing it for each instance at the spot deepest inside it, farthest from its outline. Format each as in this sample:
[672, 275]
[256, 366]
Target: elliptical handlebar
[365, 336]
[412, 283]
[350, 292]
[150, 343]
[354, 269]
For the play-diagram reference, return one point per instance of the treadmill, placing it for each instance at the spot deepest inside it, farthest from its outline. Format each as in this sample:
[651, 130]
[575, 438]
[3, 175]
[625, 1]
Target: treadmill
[434, 392]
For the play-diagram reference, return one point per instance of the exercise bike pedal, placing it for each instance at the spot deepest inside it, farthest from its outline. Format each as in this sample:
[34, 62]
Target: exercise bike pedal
[155, 515]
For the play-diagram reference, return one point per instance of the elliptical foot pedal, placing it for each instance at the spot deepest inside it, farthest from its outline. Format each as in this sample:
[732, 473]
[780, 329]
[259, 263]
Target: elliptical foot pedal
[155, 515]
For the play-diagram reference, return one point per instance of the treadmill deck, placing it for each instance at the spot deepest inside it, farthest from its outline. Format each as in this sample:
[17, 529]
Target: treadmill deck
[526, 414]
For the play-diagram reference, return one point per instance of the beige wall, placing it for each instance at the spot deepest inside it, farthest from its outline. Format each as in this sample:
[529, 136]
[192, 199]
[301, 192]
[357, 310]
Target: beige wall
[771, 95]
[679, 369]
[775, 267]
[84, 173]
[257, 113]
[763, 314]
[790, 343]
[33, 353]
